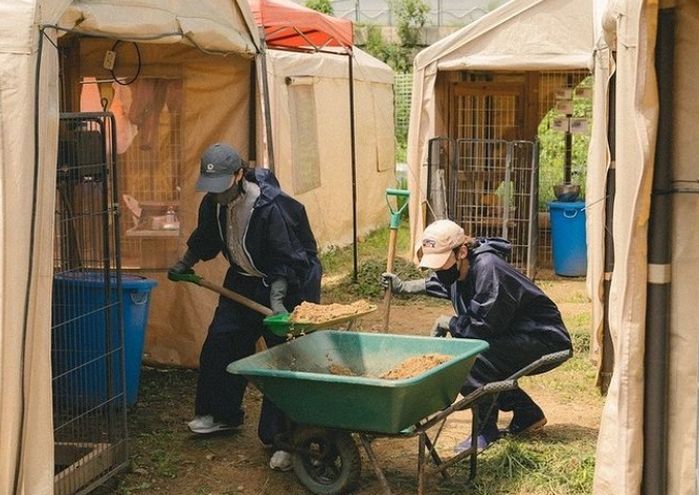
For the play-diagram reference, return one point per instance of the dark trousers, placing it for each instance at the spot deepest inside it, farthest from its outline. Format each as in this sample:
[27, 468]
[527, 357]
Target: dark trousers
[232, 335]
[505, 356]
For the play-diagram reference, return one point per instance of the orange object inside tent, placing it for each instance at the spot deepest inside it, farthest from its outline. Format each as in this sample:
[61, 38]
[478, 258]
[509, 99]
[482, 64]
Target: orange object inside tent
[291, 26]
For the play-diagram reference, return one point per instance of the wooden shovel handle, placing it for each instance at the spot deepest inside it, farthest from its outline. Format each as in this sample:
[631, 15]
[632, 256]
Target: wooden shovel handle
[255, 306]
[389, 268]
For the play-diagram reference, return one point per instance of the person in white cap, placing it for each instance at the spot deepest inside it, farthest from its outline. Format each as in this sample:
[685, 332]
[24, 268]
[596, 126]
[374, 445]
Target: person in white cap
[493, 302]
[267, 239]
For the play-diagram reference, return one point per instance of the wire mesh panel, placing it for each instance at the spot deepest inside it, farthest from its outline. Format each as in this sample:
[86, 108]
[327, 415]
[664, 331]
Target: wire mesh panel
[149, 148]
[402, 89]
[440, 162]
[493, 191]
[89, 411]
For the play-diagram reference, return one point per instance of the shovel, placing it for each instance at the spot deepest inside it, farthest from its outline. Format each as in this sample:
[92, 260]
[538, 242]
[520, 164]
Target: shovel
[239, 298]
[393, 233]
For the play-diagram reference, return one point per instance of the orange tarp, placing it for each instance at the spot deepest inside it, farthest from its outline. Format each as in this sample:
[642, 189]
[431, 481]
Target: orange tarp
[291, 26]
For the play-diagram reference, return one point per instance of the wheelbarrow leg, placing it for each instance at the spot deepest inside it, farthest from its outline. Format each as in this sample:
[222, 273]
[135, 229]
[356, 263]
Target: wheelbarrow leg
[375, 464]
[421, 463]
[435, 456]
[474, 443]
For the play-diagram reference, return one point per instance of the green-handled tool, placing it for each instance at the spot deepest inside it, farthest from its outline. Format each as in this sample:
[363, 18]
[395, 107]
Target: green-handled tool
[393, 234]
[280, 323]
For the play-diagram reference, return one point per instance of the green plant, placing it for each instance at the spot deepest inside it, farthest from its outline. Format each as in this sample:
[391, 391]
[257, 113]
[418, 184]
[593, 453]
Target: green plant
[322, 6]
[411, 16]
[552, 153]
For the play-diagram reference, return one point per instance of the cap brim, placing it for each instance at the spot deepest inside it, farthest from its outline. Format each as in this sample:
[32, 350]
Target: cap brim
[214, 184]
[434, 261]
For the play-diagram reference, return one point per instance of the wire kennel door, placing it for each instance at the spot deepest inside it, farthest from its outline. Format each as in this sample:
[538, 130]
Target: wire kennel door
[493, 193]
[87, 350]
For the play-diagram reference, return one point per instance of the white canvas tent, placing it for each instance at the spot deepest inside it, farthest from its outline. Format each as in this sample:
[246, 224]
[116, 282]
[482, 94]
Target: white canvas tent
[522, 35]
[628, 34]
[310, 116]
[220, 30]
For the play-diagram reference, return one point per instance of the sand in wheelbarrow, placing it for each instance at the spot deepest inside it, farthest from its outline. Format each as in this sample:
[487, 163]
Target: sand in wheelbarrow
[415, 365]
[409, 368]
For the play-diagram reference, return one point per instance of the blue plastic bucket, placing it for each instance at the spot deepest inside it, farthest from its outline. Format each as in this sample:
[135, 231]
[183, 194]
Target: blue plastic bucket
[86, 342]
[568, 238]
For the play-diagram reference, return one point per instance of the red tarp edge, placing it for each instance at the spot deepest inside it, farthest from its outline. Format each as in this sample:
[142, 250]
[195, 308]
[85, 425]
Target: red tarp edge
[289, 25]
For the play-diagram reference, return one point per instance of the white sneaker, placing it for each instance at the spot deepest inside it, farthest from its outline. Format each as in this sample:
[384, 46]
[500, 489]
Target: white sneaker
[281, 461]
[206, 424]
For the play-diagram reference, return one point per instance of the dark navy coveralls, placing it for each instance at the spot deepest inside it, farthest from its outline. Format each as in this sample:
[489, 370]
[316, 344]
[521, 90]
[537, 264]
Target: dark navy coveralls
[498, 304]
[280, 244]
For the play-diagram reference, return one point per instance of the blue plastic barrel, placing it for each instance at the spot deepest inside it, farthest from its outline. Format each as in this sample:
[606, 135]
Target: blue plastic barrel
[568, 238]
[86, 343]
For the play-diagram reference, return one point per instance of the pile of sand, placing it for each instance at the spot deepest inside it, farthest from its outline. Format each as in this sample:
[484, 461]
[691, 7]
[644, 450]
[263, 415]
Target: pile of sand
[308, 312]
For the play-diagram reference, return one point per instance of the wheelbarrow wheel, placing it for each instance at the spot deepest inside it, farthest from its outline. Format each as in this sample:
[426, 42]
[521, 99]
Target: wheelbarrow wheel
[327, 462]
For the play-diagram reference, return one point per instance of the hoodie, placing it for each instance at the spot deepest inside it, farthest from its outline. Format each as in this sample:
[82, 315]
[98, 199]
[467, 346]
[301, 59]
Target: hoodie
[278, 236]
[495, 300]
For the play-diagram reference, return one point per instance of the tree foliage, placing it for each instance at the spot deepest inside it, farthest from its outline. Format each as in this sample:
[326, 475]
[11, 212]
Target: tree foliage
[322, 6]
[411, 17]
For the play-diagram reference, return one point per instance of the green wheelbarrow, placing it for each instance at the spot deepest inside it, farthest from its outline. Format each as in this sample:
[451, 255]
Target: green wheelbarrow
[329, 409]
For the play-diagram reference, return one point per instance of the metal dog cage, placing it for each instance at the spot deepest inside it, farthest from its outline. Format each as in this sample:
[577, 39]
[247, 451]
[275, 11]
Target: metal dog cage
[489, 187]
[87, 351]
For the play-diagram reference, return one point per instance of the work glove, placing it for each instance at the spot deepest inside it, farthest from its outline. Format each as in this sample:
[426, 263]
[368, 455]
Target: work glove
[399, 286]
[277, 293]
[441, 326]
[182, 267]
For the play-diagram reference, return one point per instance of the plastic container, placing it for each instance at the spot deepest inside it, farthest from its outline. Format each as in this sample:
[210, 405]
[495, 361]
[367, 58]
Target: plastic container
[86, 342]
[568, 238]
[297, 378]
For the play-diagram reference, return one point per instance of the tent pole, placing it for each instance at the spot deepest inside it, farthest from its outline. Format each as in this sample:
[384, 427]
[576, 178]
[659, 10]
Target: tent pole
[266, 104]
[659, 270]
[252, 115]
[607, 344]
[354, 168]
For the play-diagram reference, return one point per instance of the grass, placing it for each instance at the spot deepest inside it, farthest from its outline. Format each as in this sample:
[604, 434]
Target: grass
[555, 464]
[338, 283]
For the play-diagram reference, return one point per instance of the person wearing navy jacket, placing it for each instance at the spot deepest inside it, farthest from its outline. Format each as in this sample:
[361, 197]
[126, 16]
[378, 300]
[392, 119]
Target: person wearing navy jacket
[493, 302]
[267, 239]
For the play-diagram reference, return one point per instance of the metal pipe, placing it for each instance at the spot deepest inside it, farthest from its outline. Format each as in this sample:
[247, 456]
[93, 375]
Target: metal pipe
[568, 152]
[659, 271]
[265, 96]
[252, 114]
[354, 169]
[610, 191]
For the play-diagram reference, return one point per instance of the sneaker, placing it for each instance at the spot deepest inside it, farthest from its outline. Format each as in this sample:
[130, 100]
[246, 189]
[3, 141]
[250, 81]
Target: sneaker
[281, 461]
[526, 423]
[482, 443]
[204, 425]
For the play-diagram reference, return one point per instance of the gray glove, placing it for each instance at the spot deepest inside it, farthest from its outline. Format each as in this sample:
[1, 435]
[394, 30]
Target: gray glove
[399, 286]
[277, 293]
[441, 326]
[184, 266]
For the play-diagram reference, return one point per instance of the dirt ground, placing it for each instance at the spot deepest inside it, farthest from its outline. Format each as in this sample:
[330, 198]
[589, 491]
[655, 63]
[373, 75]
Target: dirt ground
[166, 458]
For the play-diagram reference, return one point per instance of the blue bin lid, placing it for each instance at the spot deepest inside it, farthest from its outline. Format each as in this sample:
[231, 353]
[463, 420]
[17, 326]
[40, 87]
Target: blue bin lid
[96, 279]
[566, 205]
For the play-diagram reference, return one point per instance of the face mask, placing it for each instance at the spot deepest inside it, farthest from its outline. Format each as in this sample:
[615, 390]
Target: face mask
[448, 276]
[230, 194]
